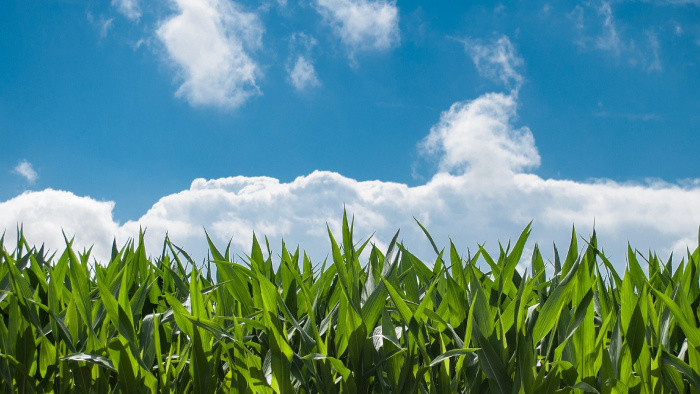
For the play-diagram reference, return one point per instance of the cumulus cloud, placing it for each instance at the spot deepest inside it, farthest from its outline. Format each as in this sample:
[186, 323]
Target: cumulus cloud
[473, 205]
[26, 170]
[129, 8]
[477, 136]
[303, 75]
[362, 25]
[497, 60]
[210, 44]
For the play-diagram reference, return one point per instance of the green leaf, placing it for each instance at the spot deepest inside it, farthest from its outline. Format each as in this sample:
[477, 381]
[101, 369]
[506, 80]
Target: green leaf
[549, 314]
[452, 353]
[690, 330]
[91, 358]
[401, 307]
[116, 313]
[688, 373]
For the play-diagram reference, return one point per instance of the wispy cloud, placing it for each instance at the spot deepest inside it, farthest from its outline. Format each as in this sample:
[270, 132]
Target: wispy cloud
[654, 64]
[303, 75]
[598, 30]
[103, 24]
[597, 27]
[497, 60]
[129, 8]
[577, 16]
[362, 25]
[646, 117]
[677, 29]
[301, 72]
[26, 170]
[609, 39]
[210, 43]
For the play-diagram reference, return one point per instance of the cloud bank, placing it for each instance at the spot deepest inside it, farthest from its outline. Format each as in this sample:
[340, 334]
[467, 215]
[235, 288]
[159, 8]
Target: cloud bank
[482, 193]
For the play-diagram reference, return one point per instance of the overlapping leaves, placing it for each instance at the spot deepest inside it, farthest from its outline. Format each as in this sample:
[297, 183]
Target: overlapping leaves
[364, 320]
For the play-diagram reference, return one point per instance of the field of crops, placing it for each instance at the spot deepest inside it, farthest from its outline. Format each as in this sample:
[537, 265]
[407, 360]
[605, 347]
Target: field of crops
[366, 320]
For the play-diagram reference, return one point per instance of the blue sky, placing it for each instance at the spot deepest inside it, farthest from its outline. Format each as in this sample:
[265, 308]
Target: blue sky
[128, 102]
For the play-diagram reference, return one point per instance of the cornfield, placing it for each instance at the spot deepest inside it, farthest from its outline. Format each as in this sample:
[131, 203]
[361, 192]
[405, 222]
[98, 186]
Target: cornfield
[365, 320]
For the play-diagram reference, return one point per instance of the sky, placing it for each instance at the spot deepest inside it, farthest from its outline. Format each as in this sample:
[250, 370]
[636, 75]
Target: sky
[271, 116]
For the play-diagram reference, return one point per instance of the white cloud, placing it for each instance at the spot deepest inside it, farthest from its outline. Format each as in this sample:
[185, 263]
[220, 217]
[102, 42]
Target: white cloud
[655, 62]
[630, 116]
[303, 74]
[25, 169]
[546, 9]
[129, 8]
[577, 15]
[301, 41]
[45, 213]
[300, 68]
[362, 24]
[609, 40]
[645, 117]
[597, 29]
[476, 204]
[105, 25]
[497, 60]
[209, 41]
[477, 136]
[677, 29]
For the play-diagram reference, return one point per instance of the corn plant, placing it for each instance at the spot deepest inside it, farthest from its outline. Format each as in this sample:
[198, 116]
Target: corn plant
[364, 320]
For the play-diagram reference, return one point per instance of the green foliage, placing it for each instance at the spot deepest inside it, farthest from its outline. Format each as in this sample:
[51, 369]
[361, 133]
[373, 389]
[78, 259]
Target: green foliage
[385, 322]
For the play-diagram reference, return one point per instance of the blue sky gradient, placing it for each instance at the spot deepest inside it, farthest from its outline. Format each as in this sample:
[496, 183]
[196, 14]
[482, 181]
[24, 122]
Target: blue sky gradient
[89, 94]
